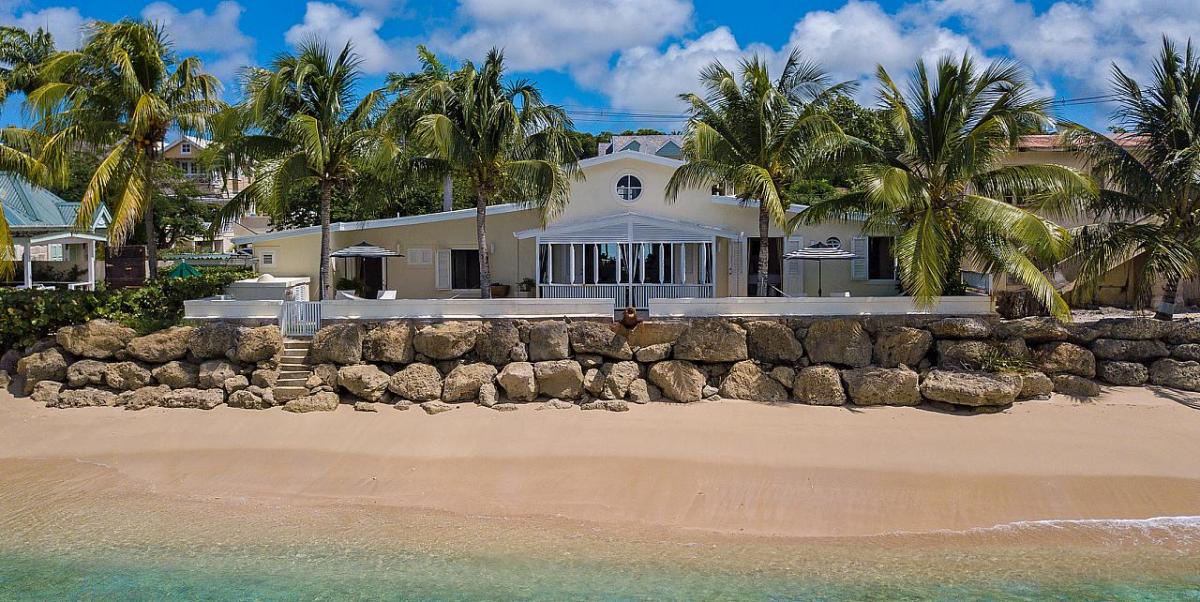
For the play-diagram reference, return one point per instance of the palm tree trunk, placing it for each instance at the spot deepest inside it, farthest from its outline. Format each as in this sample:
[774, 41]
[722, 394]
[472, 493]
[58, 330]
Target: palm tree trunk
[447, 193]
[325, 284]
[151, 240]
[764, 249]
[485, 267]
[1166, 307]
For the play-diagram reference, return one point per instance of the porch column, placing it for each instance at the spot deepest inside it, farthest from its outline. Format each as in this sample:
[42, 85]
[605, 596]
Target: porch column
[27, 263]
[91, 265]
[683, 262]
[571, 263]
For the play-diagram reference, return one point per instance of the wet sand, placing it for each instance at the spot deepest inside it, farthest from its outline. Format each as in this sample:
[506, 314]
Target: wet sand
[721, 468]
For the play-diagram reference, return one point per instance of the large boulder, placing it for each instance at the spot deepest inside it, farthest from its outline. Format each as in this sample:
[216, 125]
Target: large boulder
[882, 386]
[218, 339]
[162, 346]
[559, 378]
[549, 340]
[446, 340]
[177, 375]
[197, 399]
[1064, 358]
[338, 344]
[1130, 374]
[819, 386]
[1129, 350]
[772, 342]
[639, 391]
[964, 354]
[496, 340]
[1186, 351]
[213, 373]
[901, 345]
[653, 332]
[838, 341]
[600, 339]
[712, 341]
[86, 372]
[617, 378]
[85, 398]
[653, 353]
[1133, 328]
[1179, 334]
[145, 397]
[9, 359]
[250, 399]
[462, 383]
[1073, 385]
[324, 401]
[678, 380]
[973, 389]
[518, 381]
[417, 382]
[1175, 374]
[46, 393]
[258, 344]
[364, 381]
[126, 376]
[43, 365]
[1033, 330]
[97, 339]
[1035, 385]
[747, 381]
[960, 328]
[389, 343]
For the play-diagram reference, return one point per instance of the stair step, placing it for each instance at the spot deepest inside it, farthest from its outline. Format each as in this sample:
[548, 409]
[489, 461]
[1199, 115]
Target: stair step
[288, 393]
[291, 384]
[294, 367]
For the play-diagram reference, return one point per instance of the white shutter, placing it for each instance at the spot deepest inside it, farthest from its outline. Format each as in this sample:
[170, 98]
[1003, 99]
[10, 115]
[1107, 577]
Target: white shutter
[858, 266]
[442, 278]
[793, 269]
[735, 268]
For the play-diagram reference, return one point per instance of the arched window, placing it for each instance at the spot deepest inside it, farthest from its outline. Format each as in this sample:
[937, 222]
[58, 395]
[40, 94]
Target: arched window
[629, 188]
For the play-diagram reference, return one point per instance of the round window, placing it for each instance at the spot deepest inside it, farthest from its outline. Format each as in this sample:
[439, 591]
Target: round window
[629, 188]
[833, 241]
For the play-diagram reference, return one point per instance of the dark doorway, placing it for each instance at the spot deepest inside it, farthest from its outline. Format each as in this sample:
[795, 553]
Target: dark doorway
[774, 266]
[372, 276]
[125, 266]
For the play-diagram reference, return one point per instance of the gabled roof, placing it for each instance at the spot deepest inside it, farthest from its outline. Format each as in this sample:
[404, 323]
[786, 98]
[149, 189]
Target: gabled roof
[32, 208]
[1053, 142]
[198, 142]
[651, 144]
[634, 155]
[388, 222]
[626, 227]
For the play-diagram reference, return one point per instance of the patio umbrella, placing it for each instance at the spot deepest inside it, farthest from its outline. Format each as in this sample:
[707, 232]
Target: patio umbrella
[365, 250]
[183, 269]
[820, 252]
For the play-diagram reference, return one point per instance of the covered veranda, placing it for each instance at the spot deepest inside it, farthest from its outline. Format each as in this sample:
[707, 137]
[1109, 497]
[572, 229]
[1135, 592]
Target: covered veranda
[88, 241]
[39, 219]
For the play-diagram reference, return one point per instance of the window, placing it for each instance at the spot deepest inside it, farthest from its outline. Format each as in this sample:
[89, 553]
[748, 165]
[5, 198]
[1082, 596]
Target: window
[834, 242]
[185, 148]
[268, 259]
[718, 189]
[881, 265]
[419, 256]
[464, 269]
[629, 188]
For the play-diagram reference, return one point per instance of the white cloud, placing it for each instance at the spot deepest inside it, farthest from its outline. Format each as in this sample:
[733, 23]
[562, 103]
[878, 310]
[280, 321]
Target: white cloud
[198, 31]
[64, 23]
[647, 79]
[336, 26]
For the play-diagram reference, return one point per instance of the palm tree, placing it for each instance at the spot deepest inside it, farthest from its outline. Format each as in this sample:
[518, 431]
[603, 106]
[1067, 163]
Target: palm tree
[498, 136]
[302, 126]
[21, 53]
[1151, 197]
[758, 135]
[123, 91]
[946, 195]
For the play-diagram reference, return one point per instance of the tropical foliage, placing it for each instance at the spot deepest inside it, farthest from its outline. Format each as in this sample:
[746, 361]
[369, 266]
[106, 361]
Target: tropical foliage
[1151, 199]
[758, 135]
[945, 193]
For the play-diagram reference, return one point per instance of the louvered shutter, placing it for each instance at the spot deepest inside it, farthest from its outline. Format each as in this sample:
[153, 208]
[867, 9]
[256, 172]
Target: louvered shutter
[858, 266]
[442, 269]
[735, 268]
[793, 269]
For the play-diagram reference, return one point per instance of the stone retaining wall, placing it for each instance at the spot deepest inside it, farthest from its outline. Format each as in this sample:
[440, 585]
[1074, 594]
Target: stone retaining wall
[976, 364]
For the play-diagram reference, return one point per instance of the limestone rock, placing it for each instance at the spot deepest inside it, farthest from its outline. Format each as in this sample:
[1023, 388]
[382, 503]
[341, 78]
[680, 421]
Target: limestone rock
[710, 393]
[418, 382]
[1186, 351]
[819, 386]
[446, 340]
[86, 372]
[600, 339]
[1180, 333]
[1130, 374]
[1033, 330]
[557, 404]
[587, 361]
[1035, 385]
[559, 378]
[213, 374]
[436, 407]
[593, 381]
[146, 397]
[200, 399]
[882, 386]
[1129, 351]
[1065, 358]
[617, 378]
[324, 401]
[653, 353]
[217, 339]
[258, 344]
[748, 382]
[712, 341]
[403, 405]
[126, 376]
[389, 342]
[177, 375]
[162, 346]
[364, 381]
[97, 339]
[5, 379]
[654, 332]
[462, 383]
[9, 359]
[902, 345]
[679, 380]
[1174, 374]
[519, 353]
[85, 398]
[247, 400]
[364, 406]
[518, 381]
[264, 378]
[639, 391]
[46, 393]
[784, 375]
[612, 405]
[1133, 328]
[838, 341]
[960, 328]
[496, 340]
[966, 354]
[772, 342]
[549, 340]
[43, 365]
[1075, 386]
[971, 388]
[327, 374]
[338, 344]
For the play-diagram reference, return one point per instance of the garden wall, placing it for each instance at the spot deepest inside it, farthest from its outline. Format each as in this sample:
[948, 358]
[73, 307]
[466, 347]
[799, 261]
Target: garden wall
[968, 363]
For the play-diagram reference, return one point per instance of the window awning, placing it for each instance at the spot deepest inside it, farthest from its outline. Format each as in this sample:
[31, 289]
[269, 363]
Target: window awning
[365, 249]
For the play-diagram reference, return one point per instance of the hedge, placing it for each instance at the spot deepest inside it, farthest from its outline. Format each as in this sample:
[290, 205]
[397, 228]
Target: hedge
[31, 315]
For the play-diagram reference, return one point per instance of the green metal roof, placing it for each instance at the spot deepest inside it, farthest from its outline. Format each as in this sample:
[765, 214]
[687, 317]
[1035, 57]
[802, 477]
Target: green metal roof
[28, 207]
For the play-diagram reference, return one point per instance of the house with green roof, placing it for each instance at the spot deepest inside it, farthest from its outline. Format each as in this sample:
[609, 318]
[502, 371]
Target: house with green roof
[40, 220]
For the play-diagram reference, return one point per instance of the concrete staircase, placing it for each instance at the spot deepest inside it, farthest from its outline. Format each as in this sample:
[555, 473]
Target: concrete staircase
[293, 370]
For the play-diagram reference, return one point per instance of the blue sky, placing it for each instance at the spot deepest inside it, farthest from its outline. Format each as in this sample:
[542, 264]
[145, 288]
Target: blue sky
[618, 64]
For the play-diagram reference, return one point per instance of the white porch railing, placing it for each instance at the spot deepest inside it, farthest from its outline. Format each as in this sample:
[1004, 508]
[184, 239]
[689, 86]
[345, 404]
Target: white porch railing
[300, 318]
[967, 305]
[624, 295]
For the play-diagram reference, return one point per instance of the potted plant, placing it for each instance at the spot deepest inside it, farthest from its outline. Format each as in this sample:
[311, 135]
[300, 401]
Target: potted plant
[526, 287]
[500, 290]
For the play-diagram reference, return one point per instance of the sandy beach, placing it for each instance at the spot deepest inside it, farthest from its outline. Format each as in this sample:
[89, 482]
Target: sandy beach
[725, 467]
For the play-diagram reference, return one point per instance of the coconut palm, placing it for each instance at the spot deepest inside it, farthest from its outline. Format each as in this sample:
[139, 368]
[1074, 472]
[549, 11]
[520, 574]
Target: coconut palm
[1151, 197]
[758, 135]
[123, 91]
[498, 136]
[946, 194]
[21, 53]
[301, 127]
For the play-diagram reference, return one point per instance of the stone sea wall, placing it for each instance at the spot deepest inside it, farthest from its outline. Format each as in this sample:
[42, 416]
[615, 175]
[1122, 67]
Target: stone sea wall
[971, 364]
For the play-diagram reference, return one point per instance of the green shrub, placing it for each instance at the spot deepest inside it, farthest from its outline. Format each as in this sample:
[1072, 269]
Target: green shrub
[29, 315]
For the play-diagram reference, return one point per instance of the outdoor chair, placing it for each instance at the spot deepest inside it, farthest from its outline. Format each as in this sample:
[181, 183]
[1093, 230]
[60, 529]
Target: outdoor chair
[386, 295]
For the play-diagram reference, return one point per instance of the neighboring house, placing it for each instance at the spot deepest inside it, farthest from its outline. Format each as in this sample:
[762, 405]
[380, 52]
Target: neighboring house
[185, 154]
[663, 145]
[247, 225]
[43, 230]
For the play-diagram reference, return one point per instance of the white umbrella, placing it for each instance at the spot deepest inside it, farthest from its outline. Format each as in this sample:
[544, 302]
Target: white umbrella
[820, 252]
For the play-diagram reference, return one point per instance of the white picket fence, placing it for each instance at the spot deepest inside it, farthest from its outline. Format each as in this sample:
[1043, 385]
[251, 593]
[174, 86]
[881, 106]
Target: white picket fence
[300, 318]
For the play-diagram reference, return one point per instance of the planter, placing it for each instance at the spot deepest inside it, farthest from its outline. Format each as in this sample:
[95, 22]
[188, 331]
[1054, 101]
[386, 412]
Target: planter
[500, 290]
